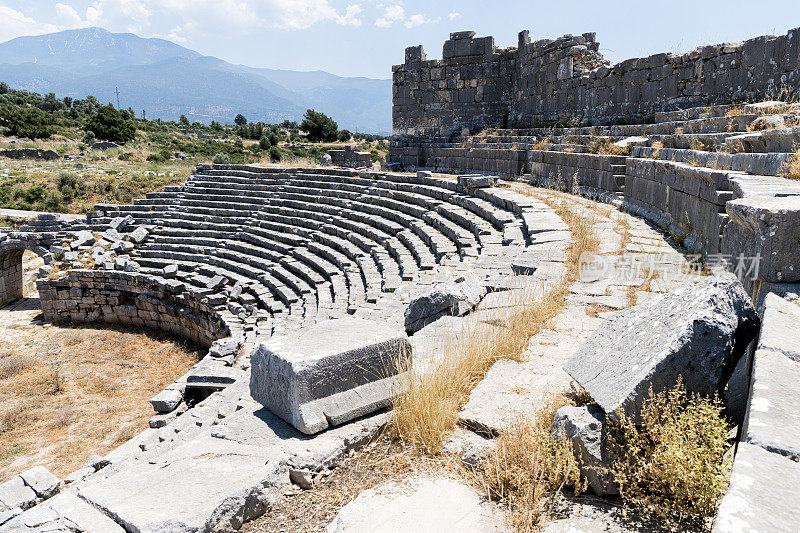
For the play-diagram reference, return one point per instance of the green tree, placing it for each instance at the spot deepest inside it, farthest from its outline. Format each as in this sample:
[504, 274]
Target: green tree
[319, 127]
[344, 136]
[108, 124]
[184, 121]
[264, 143]
[240, 120]
[275, 153]
[30, 122]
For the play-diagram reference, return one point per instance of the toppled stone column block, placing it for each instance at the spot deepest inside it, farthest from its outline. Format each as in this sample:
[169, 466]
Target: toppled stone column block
[586, 428]
[697, 333]
[330, 373]
[455, 298]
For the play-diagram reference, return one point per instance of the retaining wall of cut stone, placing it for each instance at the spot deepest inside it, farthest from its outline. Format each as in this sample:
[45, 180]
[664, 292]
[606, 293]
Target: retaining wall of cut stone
[476, 85]
[568, 169]
[112, 297]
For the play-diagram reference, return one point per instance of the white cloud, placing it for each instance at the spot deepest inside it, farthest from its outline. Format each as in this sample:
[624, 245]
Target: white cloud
[350, 17]
[118, 15]
[454, 15]
[392, 13]
[68, 17]
[396, 14]
[15, 23]
[418, 20]
[259, 14]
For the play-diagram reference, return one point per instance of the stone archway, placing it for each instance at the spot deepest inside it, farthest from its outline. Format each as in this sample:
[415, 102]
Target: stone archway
[11, 269]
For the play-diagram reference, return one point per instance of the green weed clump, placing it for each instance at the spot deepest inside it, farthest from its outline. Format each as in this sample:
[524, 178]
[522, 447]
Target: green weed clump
[671, 463]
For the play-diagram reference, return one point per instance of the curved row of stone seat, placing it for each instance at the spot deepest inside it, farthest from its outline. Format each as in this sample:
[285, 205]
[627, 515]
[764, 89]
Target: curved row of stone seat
[387, 230]
[450, 219]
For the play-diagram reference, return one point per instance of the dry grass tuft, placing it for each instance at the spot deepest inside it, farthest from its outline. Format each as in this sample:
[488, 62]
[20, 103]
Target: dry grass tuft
[791, 170]
[736, 111]
[672, 463]
[426, 406]
[528, 468]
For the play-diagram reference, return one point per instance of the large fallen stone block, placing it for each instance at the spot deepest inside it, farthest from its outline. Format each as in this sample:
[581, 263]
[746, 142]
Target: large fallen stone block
[762, 493]
[586, 428]
[456, 298]
[330, 373]
[419, 504]
[697, 333]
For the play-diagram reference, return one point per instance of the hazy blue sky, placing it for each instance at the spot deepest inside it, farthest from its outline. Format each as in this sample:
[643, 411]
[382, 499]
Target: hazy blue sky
[366, 37]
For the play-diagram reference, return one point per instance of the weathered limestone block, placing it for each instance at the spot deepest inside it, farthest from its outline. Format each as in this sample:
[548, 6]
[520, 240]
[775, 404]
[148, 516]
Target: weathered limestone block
[768, 227]
[419, 504]
[82, 238]
[139, 235]
[170, 271]
[42, 481]
[15, 493]
[773, 420]
[455, 298]
[329, 373]
[762, 493]
[166, 400]
[697, 333]
[471, 181]
[474, 449]
[245, 483]
[586, 428]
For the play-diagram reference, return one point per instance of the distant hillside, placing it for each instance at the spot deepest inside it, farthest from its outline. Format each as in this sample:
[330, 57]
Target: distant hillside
[168, 80]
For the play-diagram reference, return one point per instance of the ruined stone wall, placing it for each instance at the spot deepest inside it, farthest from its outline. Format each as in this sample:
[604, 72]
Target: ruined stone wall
[468, 88]
[85, 296]
[476, 85]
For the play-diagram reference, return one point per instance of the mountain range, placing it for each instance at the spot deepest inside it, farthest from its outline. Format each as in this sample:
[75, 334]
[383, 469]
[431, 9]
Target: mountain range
[167, 80]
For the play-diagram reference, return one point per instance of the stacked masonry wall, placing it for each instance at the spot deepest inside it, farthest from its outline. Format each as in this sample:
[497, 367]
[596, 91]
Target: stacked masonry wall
[111, 297]
[476, 85]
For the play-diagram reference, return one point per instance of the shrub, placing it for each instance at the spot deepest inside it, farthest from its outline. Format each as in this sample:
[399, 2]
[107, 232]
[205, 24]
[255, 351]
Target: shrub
[344, 136]
[108, 124]
[71, 186]
[275, 153]
[125, 156]
[319, 127]
[264, 143]
[29, 122]
[671, 463]
[221, 159]
[529, 468]
[89, 138]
